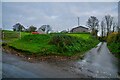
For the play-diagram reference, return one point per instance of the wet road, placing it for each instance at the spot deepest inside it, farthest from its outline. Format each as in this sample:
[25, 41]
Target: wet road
[16, 67]
[99, 63]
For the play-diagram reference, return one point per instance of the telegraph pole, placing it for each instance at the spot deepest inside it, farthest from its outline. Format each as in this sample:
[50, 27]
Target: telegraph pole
[78, 21]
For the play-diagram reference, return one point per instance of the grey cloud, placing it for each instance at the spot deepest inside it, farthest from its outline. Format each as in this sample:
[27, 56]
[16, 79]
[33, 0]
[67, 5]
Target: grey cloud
[59, 15]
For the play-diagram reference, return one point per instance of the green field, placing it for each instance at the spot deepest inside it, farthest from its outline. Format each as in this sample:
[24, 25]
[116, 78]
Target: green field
[53, 44]
[84, 36]
[10, 35]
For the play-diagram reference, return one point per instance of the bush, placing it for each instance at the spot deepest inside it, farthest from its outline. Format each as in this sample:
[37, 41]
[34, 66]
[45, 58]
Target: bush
[66, 43]
[62, 41]
[118, 37]
[111, 37]
[113, 41]
[54, 44]
[102, 39]
[114, 47]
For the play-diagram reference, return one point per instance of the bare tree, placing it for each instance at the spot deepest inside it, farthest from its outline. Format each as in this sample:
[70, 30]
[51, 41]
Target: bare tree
[118, 28]
[109, 22]
[114, 26]
[18, 27]
[32, 28]
[102, 28]
[45, 28]
[93, 24]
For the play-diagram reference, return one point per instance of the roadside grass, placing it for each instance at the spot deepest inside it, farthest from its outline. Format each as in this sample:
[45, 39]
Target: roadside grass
[9, 36]
[32, 43]
[84, 36]
[22, 34]
[115, 48]
[70, 45]
[54, 44]
[113, 42]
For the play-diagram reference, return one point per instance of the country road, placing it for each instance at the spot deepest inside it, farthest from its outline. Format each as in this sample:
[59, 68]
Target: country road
[98, 63]
[16, 67]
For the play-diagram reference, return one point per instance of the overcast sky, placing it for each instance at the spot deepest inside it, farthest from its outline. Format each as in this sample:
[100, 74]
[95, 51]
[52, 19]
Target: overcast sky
[59, 0]
[61, 16]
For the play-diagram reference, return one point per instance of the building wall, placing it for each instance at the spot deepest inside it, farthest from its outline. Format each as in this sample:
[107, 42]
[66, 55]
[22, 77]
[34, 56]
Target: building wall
[80, 29]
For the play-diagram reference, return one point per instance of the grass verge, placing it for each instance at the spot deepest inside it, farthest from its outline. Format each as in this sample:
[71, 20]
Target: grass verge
[73, 44]
[54, 44]
[115, 48]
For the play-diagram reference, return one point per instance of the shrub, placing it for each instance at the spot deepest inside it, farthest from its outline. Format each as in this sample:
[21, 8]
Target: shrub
[54, 44]
[113, 41]
[66, 43]
[111, 37]
[118, 37]
[62, 41]
[102, 39]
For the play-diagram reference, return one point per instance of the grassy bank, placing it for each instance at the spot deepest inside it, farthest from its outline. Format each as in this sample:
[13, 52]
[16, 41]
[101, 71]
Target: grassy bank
[113, 42]
[8, 35]
[54, 44]
[115, 48]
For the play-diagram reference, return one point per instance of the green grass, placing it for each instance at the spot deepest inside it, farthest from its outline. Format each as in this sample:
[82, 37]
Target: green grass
[24, 34]
[84, 36]
[113, 42]
[32, 43]
[115, 48]
[12, 35]
[40, 44]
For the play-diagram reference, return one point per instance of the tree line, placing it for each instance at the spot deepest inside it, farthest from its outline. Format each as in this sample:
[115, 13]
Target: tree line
[20, 27]
[105, 27]
[43, 28]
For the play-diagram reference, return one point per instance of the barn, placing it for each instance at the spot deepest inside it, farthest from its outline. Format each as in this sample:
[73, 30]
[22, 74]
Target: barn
[79, 29]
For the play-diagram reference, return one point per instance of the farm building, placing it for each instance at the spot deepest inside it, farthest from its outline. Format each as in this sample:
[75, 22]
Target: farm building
[80, 29]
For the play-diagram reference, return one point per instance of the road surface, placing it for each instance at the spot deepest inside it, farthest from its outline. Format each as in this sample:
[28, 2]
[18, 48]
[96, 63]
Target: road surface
[98, 63]
[16, 67]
